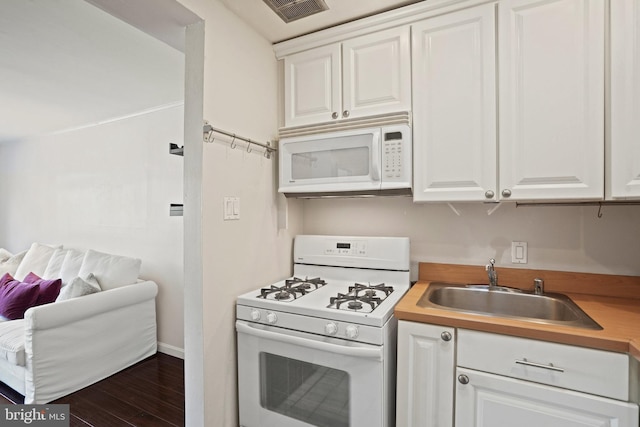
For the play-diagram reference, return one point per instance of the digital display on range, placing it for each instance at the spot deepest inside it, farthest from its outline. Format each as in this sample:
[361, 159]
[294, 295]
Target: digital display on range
[343, 245]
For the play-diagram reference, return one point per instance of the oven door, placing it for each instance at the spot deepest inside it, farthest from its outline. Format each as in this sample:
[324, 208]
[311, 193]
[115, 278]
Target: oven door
[294, 379]
[331, 162]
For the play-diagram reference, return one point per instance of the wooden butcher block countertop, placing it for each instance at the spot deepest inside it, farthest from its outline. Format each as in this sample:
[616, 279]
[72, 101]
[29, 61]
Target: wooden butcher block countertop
[612, 301]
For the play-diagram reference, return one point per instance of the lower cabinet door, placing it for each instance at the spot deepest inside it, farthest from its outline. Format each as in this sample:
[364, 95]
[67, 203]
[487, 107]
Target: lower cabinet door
[487, 400]
[426, 366]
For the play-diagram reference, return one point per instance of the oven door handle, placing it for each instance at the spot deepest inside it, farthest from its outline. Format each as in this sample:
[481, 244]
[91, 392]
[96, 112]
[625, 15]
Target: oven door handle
[369, 353]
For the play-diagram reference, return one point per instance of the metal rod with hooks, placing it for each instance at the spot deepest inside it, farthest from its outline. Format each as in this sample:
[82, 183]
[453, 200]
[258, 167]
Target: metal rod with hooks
[208, 136]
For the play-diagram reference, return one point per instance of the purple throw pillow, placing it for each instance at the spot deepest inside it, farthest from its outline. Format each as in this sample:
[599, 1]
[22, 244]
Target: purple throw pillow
[6, 279]
[16, 298]
[49, 289]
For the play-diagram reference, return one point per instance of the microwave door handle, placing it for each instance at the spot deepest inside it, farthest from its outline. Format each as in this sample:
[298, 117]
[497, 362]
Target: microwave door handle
[369, 353]
[375, 157]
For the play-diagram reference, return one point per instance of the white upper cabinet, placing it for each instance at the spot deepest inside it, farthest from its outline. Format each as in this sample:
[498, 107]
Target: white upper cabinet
[313, 85]
[376, 73]
[624, 162]
[454, 114]
[359, 77]
[551, 99]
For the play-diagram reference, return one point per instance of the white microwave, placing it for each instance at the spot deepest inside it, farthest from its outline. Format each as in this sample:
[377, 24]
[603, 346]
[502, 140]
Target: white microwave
[360, 162]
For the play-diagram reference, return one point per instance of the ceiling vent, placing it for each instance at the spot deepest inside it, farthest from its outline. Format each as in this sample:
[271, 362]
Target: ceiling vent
[292, 10]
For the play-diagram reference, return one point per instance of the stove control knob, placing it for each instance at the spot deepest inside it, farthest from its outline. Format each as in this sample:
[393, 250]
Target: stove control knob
[352, 332]
[272, 318]
[331, 328]
[255, 315]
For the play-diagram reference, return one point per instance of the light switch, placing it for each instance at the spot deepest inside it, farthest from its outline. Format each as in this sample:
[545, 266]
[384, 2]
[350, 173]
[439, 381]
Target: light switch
[231, 208]
[236, 208]
[518, 252]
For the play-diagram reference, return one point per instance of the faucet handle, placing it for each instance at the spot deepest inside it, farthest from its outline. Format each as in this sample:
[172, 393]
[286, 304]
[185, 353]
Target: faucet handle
[490, 266]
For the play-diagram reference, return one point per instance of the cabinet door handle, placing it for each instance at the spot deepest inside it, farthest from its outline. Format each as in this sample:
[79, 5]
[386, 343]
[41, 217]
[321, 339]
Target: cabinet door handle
[539, 365]
[506, 193]
[345, 113]
[446, 336]
[463, 379]
[334, 115]
[489, 194]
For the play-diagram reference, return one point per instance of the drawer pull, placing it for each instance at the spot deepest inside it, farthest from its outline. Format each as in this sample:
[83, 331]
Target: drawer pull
[539, 365]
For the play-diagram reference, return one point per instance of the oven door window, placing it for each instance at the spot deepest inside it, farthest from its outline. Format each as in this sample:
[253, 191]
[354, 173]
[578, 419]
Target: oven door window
[312, 393]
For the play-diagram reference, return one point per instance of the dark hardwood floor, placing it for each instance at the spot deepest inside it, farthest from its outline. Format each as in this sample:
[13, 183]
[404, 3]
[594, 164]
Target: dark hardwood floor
[149, 393]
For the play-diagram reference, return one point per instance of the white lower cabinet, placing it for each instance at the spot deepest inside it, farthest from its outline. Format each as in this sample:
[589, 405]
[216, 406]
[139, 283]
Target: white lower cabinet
[504, 381]
[487, 400]
[426, 368]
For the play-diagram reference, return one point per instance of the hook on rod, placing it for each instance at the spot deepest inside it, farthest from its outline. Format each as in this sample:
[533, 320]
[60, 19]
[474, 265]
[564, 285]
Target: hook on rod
[233, 141]
[599, 210]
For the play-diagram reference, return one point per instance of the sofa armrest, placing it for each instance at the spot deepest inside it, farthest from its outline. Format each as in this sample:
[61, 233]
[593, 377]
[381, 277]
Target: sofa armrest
[74, 343]
[72, 310]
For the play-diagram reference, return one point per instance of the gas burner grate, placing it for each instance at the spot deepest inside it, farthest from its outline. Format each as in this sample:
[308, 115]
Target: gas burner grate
[292, 289]
[361, 297]
[354, 302]
[371, 289]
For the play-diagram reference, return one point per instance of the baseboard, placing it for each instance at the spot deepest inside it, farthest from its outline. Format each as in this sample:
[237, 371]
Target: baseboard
[171, 350]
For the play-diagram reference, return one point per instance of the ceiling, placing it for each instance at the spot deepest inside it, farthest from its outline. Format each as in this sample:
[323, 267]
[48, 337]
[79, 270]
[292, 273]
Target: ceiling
[259, 16]
[66, 64]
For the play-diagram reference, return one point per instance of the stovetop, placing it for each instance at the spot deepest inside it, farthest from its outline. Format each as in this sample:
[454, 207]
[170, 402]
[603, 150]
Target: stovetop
[343, 279]
[362, 302]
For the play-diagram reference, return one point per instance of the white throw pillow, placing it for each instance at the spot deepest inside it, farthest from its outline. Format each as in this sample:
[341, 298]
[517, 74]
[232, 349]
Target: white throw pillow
[35, 261]
[5, 254]
[112, 271]
[55, 265]
[11, 264]
[71, 265]
[78, 287]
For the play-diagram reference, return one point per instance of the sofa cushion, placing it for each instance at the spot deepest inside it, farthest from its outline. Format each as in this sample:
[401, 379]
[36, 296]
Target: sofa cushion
[35, 260]
[55, 264]
[10, 265]
[5, 254]
[16, 297]
[12, 342]
[111, 271]
[71, 265]
[48, 290]
[78, 287]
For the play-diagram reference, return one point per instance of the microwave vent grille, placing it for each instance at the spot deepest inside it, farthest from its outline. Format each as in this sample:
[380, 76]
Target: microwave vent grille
[292, 10]
[402, 118]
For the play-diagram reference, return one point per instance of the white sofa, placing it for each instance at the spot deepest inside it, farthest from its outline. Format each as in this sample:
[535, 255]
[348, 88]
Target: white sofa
[61, 347]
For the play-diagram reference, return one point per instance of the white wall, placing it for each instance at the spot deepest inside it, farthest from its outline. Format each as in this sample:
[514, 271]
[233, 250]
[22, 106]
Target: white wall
[241, 96]
[107, 188]
[559, 238]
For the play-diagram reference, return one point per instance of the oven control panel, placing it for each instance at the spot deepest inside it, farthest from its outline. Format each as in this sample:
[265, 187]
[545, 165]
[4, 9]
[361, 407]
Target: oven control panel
[357, 248]
[379, 253]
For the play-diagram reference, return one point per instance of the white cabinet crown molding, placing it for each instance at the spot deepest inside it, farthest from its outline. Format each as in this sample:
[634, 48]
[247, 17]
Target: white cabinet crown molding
[382, 21]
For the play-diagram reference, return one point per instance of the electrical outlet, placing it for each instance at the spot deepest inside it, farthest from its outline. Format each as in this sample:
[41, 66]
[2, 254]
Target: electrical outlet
[519, 252]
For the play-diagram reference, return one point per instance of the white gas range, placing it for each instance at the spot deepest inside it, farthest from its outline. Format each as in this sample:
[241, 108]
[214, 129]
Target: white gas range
[318, 349]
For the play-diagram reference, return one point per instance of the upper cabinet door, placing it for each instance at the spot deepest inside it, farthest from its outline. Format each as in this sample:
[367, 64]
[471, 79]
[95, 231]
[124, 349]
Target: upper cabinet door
[376, 73]
[624, 164]
[454, 97]
[312, 86]
[552, 99]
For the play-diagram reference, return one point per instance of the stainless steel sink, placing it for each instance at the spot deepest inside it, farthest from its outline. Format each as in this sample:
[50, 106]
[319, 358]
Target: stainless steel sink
[550, 308]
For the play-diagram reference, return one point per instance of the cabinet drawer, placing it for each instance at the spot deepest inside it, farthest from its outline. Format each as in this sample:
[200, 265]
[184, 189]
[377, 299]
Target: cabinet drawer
[592, 371]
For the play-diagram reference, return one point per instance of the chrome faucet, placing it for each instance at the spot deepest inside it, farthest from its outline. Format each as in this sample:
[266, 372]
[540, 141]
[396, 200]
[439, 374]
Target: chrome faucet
[493, 274]
[538, 286]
